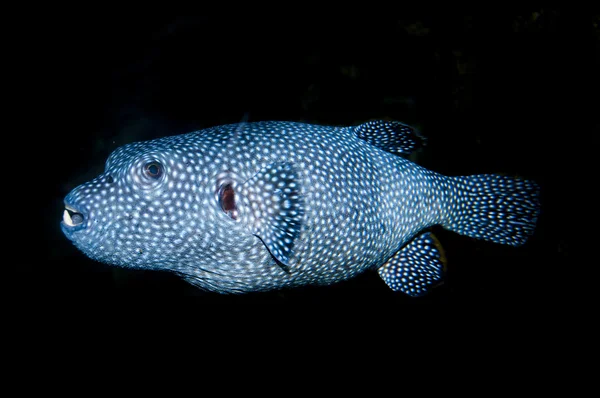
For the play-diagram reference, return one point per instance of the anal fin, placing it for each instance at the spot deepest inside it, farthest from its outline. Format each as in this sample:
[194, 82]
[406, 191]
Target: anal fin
[417, 267]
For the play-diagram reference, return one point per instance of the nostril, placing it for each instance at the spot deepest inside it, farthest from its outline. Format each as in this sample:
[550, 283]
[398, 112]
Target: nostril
[110, 179]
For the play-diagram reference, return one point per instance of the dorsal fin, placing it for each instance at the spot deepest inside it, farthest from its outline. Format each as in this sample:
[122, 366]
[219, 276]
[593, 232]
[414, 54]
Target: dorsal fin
[390, 136]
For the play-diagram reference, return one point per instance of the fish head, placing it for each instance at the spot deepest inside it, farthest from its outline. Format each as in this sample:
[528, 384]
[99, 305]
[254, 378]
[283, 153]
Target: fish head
[162, 205]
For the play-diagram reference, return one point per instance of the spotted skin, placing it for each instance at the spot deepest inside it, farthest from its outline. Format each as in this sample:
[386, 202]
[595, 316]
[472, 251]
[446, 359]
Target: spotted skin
[267, 205]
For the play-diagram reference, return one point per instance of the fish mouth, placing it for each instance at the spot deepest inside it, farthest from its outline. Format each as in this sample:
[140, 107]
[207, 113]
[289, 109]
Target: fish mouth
[72, 217]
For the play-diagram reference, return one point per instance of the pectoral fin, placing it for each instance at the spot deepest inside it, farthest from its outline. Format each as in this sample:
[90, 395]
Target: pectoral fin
[276, 209]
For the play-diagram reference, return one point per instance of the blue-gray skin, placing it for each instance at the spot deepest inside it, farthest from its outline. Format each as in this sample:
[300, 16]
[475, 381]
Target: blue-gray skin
[267, 205]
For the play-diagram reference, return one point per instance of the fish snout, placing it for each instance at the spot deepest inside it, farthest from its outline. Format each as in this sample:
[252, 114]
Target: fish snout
[72, 217]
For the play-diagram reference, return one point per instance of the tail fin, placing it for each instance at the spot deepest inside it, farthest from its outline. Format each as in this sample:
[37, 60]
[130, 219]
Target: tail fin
[497, 208]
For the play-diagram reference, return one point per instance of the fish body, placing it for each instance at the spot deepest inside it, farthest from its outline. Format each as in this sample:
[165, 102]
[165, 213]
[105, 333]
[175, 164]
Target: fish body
[267, 205]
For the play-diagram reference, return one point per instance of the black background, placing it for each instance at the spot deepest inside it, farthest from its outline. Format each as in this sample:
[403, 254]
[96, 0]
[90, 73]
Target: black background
[509, 91]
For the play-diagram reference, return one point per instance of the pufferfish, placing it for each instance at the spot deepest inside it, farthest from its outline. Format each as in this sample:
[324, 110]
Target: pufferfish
[269, 205]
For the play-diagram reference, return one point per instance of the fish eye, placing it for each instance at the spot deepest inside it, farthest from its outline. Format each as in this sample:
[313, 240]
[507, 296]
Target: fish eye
[153, 170]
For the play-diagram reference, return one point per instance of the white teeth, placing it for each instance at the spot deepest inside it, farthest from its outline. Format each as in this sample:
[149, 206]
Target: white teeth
[67, 219]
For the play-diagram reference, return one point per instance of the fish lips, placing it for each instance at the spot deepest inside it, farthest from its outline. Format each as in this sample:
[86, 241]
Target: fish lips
[73, 220]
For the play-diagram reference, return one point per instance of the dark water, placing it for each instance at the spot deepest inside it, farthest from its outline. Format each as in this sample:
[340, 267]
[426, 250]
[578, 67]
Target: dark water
[493, 92]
